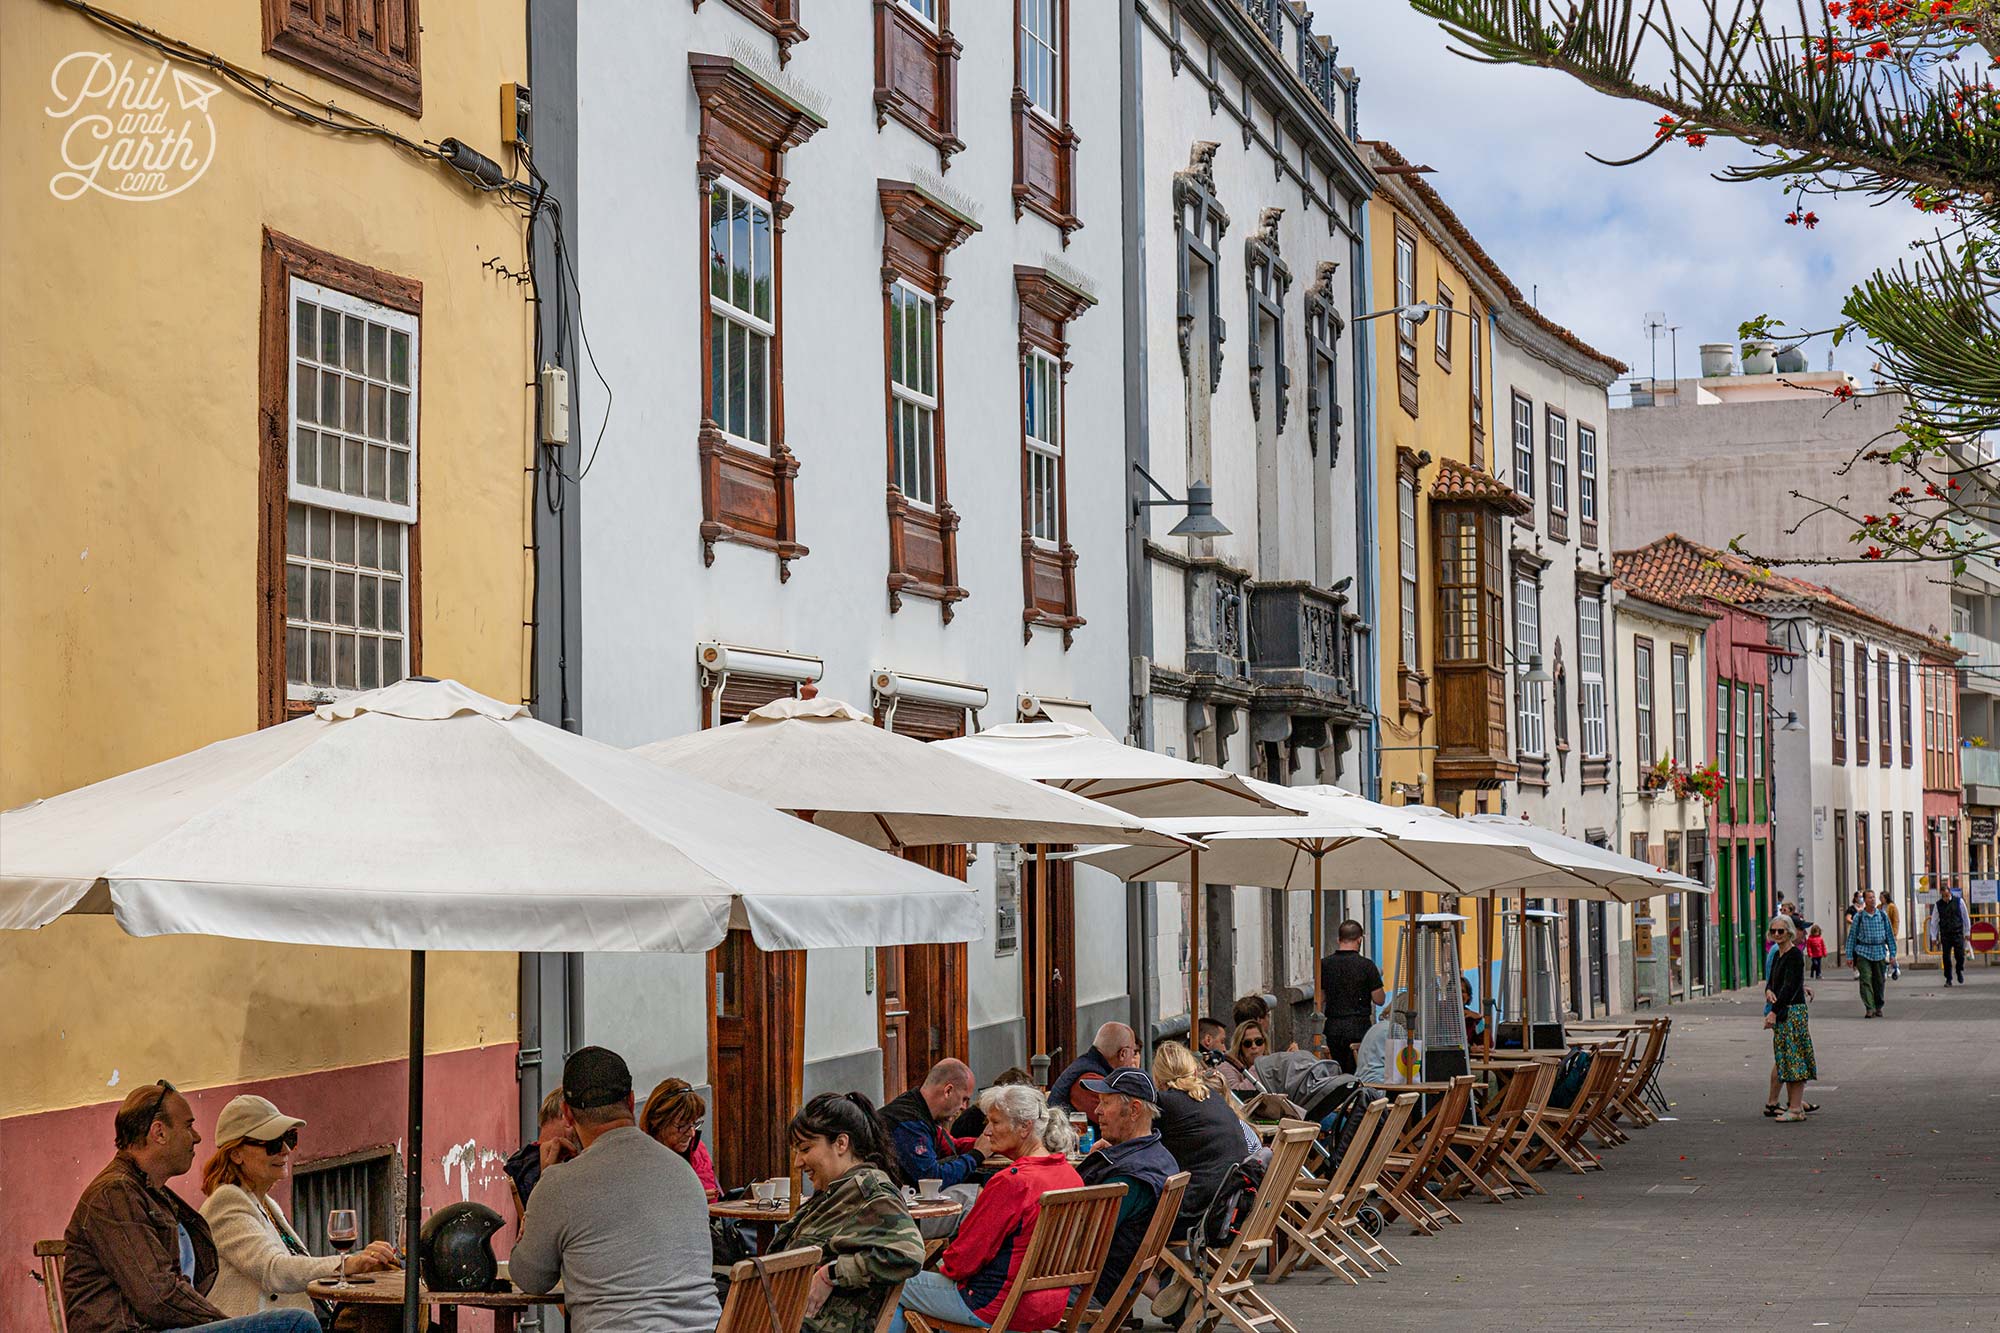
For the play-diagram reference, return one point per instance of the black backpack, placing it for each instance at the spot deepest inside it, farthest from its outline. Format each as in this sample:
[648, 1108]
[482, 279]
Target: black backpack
[1575, 1068]
[1229, 1206]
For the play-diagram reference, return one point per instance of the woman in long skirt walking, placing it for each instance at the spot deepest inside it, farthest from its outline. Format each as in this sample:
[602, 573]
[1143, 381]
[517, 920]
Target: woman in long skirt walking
[1791, 1039]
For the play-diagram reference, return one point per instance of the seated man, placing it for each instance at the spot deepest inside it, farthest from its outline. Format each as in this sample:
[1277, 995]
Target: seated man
[1130, 1153]
[138, 1256]
[553, 1142]
[1211, 1041]
[916, 1123]
[624, 1226]
[1115, 1047]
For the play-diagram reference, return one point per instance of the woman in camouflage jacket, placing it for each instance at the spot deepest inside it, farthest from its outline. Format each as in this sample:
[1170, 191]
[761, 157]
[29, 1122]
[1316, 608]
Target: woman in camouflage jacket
[856, 1215]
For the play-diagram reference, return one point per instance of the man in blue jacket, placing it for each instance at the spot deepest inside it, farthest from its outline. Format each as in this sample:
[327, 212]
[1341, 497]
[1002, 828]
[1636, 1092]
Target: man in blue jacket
[1871, 947]
[916, 1123]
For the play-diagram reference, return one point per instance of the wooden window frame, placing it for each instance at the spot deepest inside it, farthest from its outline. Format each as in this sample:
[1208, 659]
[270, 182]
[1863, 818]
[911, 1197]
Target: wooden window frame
[1645, 711]
[1476, 364]
[1415, 682]
[1904, 714]
[916, 75]
[383, 61]
[1474, 723]
[1585, 680]
[1863, 723]
[1441, 341]
[1680, 693]
[1760, 726]
[1044, 144]
[1529, 705]
[1724, 746]
[1884, 709]
[1555, 447]
[1406, 332]
[1586, 484]
[1520, 414]
[779, 18]
[746, 129]
[1740, 737]
[1048, 573]
[1836, 656]
[918, 231]
[285, 258]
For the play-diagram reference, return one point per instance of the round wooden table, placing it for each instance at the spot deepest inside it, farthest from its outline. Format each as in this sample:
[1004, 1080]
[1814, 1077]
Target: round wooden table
[764, 1220]
[384, 1291]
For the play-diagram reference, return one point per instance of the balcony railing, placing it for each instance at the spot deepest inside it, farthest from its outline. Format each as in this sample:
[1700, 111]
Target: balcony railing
[1302, 637]
[1979, 669]
[1315, 59]
[1978, 766]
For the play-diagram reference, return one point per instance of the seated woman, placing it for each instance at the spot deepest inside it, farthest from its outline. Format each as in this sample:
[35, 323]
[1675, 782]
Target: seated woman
[262, 1263]
[673, 1116]
[1476, 1034]
[973, 1275]
[856, 1215]
[1198, 1127]
[1248, 1043]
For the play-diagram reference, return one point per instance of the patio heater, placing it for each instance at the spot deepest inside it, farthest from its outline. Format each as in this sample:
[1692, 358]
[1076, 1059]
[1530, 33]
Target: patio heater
[1427, 975]
[1532, 989]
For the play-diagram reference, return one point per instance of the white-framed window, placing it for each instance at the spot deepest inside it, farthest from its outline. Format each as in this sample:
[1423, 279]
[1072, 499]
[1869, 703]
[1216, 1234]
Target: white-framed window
[1530, 715]
[1041, 64]
[1590, 675]
[1524, 446]
[1042, 425]
[1444, 317]
[1406, 293]
[1474, 337]
[1406, 565]
[1586, 473]
[1558, 463]
[924, 9]
[742, 290]
[1642, 699]
[913, 385]
[351, 484]
[1742, 736]
[1683, 728]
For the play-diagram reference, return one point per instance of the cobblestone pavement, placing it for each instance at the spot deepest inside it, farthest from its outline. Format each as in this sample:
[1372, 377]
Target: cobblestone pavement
[1880, 1213]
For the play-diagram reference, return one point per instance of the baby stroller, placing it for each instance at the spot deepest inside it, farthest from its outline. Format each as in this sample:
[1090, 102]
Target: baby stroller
[1331, 1097]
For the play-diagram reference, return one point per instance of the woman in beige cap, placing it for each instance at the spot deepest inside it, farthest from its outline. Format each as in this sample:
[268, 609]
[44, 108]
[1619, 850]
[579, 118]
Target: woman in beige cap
[264, 1264]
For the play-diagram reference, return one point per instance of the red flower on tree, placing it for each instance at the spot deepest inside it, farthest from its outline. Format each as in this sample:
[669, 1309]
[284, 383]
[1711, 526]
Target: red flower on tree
[1843, 391]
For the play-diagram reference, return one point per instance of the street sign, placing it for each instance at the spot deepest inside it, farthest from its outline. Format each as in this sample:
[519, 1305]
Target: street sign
[1984, 936]
[1983, 891]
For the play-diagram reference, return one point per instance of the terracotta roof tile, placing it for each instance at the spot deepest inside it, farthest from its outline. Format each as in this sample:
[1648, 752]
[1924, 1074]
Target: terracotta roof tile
[1460, 481]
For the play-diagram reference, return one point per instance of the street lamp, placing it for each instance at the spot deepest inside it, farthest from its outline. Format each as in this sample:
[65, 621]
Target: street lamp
[1531, 670]
[1200, 521]
[1787, 721]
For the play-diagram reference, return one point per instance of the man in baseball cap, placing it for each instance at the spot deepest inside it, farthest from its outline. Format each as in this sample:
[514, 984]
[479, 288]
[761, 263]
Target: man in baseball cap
[1129, 1151]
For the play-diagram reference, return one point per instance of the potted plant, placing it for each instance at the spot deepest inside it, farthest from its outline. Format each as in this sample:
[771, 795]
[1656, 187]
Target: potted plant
[1658, 778]
[1706, 783]
[1760, 357]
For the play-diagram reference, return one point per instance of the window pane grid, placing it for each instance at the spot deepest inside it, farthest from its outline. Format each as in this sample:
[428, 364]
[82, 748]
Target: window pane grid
[1043, 426]
[345, 606]
[1558, 464]
[1406, 551]
[352, 422]
[1524, 447]
[1586, 473]
[913, 387]
[1040, 70]
[1590, 666]
[1530, 724]
[1642, 679]
[741, 282]
[1682, 728]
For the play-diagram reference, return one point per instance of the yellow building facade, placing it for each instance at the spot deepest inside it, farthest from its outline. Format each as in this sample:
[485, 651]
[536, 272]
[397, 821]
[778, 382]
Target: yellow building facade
[1443, 640]
[267, 440]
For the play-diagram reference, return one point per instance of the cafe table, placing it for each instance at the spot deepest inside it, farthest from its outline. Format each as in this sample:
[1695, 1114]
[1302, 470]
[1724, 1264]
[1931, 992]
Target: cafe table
[764, 1219]
[386, 1290]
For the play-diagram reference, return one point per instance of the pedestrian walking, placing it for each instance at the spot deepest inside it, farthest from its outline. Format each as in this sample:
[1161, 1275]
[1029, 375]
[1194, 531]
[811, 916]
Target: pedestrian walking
[1950, 924]
[1791, 1038]
[1895, 932]
[1871, 946]
[1815, 949]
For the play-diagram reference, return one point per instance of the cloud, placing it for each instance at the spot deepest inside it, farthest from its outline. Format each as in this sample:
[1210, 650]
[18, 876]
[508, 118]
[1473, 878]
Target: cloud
[1599, 246]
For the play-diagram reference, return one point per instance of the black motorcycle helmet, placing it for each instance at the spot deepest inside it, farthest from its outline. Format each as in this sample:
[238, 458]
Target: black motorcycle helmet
[457, 1248]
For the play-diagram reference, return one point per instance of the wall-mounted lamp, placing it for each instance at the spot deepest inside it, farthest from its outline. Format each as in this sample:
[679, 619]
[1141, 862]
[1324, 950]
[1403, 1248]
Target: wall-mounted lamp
[1531, 670]
[1200, 521]
[1787, 721]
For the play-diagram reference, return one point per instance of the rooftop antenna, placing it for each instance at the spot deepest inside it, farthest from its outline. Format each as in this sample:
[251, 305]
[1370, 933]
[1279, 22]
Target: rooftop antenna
[1654, 323]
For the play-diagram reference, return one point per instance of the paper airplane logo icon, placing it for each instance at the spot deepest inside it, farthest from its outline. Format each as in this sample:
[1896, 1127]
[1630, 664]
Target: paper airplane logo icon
[194, 93]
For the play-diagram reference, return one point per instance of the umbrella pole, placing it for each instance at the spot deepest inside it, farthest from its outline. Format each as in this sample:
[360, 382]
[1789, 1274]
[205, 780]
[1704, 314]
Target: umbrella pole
[1194, 948]
[1319, 943]
[1521, 947]
[1040, 1039]
[413, 1156]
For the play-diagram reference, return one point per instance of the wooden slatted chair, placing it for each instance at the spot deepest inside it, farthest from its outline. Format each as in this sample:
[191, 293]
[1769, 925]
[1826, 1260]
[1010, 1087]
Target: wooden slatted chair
[1541, 1080]
[1227, 1289]
[1368, 1184]
[1066, 1249]
[1559, 1130]
[1305, 1222]
[1631, 1100]
[51, 1254]
[768, 1295]
[1407, 1175]
[1472, 1157]
[888, 1314]
[1111, 1316]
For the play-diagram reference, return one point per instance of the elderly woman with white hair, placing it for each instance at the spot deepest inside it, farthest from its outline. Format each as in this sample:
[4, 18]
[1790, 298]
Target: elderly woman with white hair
[974, 1273]
[1791, 1039]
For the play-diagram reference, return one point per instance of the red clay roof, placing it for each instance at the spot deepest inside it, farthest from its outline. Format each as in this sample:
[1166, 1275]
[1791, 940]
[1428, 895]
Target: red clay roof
[1463, 235]
[1677, 572]
[1461, 481]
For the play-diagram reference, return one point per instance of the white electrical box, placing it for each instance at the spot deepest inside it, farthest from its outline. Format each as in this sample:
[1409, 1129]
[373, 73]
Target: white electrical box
[555, 405]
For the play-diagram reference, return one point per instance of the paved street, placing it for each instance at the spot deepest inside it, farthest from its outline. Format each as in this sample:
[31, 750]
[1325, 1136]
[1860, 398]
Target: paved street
[1881, 1213]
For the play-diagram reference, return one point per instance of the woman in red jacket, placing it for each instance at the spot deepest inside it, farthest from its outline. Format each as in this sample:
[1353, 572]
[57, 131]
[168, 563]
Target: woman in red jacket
[973, 1275]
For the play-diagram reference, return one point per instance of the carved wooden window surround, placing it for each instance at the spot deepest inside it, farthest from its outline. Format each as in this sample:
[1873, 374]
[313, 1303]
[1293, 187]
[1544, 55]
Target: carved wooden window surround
[918, 231]
[1268, 280]
[1044, 143]
[916, 74]
[1473, 702]
[367, 45]
[1414, 694]
[1201, 224]
[780, 18]
[286, 259]
[1048, 561]
[747, 474]
[1324, 328]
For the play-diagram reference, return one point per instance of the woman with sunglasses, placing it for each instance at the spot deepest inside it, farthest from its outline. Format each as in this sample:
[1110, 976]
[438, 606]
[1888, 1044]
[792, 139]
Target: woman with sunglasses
[263, 1263]
[1247, 1045]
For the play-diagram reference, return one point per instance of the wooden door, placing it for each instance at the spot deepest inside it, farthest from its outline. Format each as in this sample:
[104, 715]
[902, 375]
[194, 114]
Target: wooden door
[756, 1052]
[1048, 958]
[921, 993]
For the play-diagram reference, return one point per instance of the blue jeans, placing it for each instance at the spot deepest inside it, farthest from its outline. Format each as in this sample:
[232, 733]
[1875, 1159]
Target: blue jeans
[932, 1293]
[267, 1321]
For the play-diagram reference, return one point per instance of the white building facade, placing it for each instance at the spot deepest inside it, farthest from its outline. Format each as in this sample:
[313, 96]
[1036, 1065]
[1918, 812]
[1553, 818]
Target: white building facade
[855, 289]
[1246, 209]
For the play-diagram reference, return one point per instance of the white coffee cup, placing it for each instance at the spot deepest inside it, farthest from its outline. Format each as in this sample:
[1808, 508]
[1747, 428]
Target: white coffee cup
[765, 1190]
[781, 1188]
[930, 1189]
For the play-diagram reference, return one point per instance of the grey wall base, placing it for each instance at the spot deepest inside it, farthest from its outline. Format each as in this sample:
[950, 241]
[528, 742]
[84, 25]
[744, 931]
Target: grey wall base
[859, 1072]
[995, 1048]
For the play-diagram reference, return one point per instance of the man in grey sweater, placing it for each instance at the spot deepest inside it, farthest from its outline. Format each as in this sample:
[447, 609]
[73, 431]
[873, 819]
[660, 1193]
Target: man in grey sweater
[624, 1225]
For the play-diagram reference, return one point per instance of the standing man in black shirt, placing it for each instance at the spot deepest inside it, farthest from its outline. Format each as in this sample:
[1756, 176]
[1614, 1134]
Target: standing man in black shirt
[1353, 987]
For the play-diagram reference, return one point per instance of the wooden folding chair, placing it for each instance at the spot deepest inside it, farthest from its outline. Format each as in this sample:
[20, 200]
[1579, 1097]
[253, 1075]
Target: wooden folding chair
[768, 1294]
[1228, 1290]
[1631, 1099]
[1305, 1222]
[53, 1254]
[1110, 1316]
[1534, 1103]
[888, 1313]
[1368, 1185]
[1066, 1249]
[1559, 1130]
[1407, 1175]
[1472, 1156]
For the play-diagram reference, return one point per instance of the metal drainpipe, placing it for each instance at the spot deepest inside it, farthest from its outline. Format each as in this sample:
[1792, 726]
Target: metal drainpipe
[1138, 577]
[1367, 572]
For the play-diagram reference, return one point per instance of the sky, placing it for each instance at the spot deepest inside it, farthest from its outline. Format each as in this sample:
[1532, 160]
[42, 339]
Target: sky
[1602, 246]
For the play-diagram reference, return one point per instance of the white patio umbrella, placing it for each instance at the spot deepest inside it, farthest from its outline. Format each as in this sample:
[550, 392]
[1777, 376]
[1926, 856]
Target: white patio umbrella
[1612, 877]
[428, 816]
[829, 761]
[1155, 786]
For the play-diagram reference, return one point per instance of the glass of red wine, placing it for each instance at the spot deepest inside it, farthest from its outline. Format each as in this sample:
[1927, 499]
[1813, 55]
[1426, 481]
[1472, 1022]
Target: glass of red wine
[343, 1229]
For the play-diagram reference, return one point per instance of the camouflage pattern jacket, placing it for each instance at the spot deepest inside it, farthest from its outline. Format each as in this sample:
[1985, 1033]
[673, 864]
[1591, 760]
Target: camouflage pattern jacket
[863, 1228]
